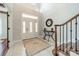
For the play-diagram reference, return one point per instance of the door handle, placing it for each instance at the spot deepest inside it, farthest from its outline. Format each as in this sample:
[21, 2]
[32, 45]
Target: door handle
[26, 29]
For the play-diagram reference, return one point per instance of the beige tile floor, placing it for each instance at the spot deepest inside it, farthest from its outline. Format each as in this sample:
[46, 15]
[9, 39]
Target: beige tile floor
[19, 50]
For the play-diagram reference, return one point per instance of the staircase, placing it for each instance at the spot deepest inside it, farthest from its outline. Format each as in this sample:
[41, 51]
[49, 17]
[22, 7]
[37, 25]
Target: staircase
[66, 37]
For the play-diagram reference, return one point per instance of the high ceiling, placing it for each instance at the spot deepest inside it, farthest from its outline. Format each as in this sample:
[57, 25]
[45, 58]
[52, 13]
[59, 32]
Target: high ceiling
[34, 6]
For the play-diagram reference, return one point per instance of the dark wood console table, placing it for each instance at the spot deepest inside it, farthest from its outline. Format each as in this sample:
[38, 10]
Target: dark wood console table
[48, 33]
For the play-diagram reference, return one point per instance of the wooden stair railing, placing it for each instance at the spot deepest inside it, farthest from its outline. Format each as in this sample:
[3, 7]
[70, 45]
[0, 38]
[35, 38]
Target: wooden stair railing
[63, 44]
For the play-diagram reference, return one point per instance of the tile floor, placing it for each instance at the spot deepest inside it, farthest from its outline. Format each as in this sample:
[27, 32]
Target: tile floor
[19, 50]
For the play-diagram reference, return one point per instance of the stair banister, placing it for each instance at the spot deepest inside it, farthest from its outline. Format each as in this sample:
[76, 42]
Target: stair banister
[62, 25]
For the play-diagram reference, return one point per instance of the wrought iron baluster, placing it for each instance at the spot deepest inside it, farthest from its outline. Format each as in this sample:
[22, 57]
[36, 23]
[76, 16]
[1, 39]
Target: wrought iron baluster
[63, 37]
[60, 37]
[66, 38]
[71, 35]
[76, 34]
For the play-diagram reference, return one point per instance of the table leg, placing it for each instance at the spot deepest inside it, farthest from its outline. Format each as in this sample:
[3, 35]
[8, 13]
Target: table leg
[48, 38]
[45, 37]
[52, 37]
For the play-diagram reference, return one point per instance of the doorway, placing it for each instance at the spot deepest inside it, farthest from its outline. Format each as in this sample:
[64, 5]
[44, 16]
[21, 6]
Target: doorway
[29, 28]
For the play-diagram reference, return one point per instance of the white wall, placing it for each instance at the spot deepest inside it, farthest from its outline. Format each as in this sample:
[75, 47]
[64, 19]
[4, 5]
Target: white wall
[41, 25]
[59, 12]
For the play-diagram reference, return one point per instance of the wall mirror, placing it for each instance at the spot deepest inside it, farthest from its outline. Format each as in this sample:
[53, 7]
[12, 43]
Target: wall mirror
[49, 22]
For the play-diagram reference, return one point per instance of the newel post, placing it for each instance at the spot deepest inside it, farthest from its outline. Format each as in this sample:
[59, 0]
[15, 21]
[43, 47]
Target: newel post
[56, 49]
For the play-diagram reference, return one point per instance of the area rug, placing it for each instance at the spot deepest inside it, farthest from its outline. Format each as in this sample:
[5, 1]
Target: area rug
[34, 46]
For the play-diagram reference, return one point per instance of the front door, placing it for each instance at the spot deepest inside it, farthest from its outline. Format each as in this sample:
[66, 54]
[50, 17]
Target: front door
[29, 28]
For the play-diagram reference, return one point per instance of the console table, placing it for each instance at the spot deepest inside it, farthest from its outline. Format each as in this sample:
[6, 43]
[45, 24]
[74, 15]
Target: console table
[48, 33]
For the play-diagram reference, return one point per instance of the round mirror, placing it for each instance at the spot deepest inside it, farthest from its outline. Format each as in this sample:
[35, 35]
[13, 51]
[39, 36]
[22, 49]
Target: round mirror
[49, 22]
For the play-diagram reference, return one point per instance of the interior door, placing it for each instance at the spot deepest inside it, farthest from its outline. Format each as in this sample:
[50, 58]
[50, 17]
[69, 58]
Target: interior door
[29, 28]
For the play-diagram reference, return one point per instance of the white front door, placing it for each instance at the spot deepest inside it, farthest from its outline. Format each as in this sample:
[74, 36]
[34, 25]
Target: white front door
[29, 28]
